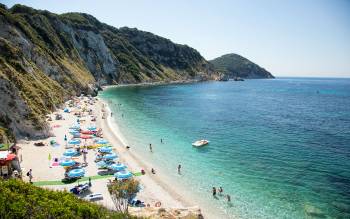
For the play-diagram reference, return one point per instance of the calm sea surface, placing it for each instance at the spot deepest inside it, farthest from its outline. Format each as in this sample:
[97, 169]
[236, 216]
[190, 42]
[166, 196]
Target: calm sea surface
[280, 148]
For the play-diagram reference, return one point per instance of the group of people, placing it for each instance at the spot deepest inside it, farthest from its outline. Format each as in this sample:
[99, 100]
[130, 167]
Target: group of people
[220, 192]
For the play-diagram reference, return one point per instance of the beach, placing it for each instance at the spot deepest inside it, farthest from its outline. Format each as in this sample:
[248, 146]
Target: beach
[40, 160]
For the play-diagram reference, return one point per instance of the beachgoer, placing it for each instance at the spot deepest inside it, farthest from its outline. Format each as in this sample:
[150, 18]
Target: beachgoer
[90, 182]
[228, 197]
[143, 172]
[128, 147]
[30, 175]
[220, 190]
[214, 191]
[161, 140]
[84, 157]
[153, 171]
[150, 148]
[111, 114]
[179, 169]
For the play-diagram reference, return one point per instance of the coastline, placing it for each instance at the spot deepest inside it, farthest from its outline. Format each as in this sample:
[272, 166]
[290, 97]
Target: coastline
[157, 189]
[189, 81]
[157, 186]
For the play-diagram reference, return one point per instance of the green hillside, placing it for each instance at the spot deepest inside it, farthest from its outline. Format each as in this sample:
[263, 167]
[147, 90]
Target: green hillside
[45, 58]
[234, 65]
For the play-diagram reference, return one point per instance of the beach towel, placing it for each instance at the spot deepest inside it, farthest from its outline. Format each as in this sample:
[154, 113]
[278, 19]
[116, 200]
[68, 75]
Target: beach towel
[56, 145]
[55, 164]
[137, 174]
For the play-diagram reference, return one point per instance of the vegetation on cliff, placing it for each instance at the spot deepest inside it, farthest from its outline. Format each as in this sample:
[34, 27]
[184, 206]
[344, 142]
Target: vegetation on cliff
[234, 65]
[45, 58]
[23, 200]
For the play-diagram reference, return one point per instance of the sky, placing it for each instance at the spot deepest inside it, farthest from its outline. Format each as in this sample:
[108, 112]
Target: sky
[309, 38]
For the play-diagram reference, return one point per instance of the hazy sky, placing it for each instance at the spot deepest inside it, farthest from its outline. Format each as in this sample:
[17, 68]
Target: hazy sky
[288, 38]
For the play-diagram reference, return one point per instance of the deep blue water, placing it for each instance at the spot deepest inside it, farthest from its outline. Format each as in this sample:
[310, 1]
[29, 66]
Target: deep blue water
[280, 148]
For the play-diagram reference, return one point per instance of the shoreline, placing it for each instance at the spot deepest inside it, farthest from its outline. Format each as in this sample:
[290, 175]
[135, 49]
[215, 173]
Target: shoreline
[114, 136]
[168, 192]
[155, 83]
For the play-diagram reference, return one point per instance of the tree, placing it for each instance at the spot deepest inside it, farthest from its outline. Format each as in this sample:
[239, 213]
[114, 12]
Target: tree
[122, 191]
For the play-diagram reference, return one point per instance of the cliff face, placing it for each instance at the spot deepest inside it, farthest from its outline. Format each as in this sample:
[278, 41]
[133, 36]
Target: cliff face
[45, 58]
[233, 65]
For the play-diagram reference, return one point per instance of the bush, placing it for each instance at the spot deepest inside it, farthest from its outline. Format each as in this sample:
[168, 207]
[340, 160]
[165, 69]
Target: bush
[23, 200]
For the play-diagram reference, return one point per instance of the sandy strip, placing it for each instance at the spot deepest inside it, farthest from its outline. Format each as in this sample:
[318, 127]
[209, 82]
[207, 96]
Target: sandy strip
[37, 158]
[153, 188]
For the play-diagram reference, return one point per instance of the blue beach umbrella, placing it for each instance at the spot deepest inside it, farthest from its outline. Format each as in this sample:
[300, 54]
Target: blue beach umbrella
[123, 175]
[75, 126]
[101, 141]
[70, 152]
[92, 128]
[75, 173]
[74, 141]
[110, 156]
[67, 163]
[102, 164]
[117, 167]
[74, 131]
[105, 149]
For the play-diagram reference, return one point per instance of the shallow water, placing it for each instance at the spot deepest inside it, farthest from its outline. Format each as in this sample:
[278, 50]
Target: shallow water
[280, 148]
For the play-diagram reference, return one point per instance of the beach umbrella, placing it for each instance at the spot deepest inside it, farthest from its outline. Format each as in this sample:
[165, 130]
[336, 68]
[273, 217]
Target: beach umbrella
[101, 141]
[102, 164]
[70, 152]
[123, 175]
[110, 156]
[74, 141]
[92, 128]
[87, 132]
[74, 131]
[75, 173]
[117, 167]
[85, 137]
[105, 149]
[67, 163]
[75, 126]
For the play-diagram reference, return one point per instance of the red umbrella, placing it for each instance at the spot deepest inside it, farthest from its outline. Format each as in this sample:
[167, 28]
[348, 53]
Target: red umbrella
[87, 132]
[85, 137]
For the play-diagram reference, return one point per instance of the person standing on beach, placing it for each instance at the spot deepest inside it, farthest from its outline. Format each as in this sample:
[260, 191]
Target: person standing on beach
[29, 174]
[179, 169]
[84, 156]
[150, 148]
[65, 140]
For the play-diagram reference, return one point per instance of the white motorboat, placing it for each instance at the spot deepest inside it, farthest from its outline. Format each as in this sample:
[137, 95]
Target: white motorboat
[200, 143]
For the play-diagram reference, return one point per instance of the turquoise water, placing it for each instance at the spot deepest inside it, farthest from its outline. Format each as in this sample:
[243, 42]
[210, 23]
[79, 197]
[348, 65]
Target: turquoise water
[280, 148]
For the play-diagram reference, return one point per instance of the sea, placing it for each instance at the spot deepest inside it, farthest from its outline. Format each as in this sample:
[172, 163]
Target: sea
[279, 147]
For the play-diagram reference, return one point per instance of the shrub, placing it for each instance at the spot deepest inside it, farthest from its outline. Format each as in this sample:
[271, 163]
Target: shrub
[23, 200]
